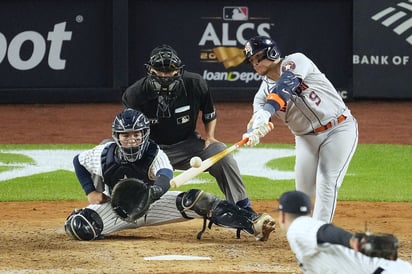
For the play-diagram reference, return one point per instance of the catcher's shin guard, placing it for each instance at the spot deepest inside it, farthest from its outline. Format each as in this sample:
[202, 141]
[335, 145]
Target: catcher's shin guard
[225, 214]
[229, 215]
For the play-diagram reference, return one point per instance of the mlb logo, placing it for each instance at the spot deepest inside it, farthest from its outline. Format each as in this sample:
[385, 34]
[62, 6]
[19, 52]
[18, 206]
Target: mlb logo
[235, 13]
[183, 120]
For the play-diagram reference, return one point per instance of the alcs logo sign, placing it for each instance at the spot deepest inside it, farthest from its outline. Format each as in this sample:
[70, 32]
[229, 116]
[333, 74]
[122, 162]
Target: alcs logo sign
[232, 27]
[56, 37]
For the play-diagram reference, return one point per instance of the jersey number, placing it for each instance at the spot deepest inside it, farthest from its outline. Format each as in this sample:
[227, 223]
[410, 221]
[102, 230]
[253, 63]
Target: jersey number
[315, 98]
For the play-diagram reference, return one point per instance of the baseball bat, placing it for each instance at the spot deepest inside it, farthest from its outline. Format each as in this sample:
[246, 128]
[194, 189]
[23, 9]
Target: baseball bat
[192, 172]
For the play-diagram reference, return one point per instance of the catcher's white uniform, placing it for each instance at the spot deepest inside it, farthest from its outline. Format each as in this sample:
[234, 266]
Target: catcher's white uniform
[162, 211]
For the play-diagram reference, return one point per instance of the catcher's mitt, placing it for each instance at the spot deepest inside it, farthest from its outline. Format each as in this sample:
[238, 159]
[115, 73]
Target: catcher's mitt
[130, 199]
[383, 245]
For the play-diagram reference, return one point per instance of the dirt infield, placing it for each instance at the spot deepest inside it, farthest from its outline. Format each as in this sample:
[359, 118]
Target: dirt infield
[32, 239]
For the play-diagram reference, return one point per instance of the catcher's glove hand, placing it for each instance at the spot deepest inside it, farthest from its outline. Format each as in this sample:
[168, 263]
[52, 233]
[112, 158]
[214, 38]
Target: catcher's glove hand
[131, 199]
[381, 245]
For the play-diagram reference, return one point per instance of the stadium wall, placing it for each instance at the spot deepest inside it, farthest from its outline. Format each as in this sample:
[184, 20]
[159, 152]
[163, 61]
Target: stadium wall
[91, 50]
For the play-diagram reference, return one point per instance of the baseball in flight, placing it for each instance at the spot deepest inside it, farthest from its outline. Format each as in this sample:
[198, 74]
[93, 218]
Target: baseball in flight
[195, 161]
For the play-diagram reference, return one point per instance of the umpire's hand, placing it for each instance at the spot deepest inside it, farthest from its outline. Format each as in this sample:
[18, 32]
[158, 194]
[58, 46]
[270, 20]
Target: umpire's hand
[96, 197]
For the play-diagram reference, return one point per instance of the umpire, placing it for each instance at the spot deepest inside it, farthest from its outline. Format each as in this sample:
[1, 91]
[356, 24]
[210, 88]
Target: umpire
[171, 98]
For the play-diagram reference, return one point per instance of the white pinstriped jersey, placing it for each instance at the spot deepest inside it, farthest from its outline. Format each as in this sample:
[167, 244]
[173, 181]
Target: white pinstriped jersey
[91, 160]
[333, 258]
[316, 103]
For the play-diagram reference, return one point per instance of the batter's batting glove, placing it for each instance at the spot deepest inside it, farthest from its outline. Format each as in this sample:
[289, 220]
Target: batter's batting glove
[263, 129]
[255, 134]
[260, 117]
[253, 139]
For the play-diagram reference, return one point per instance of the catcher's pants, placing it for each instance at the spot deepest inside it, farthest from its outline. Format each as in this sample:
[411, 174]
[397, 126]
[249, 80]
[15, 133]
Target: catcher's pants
[160, 212]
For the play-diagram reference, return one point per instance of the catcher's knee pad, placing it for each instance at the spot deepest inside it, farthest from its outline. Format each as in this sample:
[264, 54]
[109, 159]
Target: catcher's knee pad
[84, 224]
[197, 200]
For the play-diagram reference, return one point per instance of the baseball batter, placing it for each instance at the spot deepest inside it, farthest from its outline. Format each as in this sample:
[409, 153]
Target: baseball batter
[326, 133]
[321, 247]
[172, 98]
[133, 155]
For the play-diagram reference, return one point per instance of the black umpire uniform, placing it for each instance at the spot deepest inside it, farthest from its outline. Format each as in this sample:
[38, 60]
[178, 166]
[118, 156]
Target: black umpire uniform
[172, 104]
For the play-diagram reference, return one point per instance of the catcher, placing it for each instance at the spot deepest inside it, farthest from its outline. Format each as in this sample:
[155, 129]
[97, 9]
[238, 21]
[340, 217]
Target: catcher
[322, 247]
[127, 181]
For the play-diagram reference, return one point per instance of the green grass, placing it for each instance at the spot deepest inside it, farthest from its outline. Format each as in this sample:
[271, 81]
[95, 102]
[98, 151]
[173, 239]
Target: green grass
[10, 161]
[49, 186]
[380, 173]
[376, 173]
[9, 158]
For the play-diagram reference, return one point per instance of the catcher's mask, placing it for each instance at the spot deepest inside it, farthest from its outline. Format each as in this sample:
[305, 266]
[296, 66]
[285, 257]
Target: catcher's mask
[263, 47]
[138, 126]
[165, 70]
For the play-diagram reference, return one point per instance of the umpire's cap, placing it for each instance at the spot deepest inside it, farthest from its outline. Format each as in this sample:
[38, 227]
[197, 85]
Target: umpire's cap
[295, 202]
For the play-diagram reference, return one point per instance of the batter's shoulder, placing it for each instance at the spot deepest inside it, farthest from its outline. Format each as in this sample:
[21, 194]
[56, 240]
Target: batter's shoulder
[296, 57]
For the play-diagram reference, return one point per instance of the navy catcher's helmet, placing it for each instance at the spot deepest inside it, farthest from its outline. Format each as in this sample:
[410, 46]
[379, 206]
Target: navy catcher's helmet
[262, 44]
[130, 120]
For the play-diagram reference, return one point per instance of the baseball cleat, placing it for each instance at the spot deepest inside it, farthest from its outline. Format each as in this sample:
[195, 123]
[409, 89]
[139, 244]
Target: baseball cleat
[263, 226]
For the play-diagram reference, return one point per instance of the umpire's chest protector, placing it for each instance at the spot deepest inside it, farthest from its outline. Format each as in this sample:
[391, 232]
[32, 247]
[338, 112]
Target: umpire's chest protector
[115, 169]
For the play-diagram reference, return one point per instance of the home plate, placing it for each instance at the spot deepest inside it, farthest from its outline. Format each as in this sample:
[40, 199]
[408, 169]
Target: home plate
[175, 258]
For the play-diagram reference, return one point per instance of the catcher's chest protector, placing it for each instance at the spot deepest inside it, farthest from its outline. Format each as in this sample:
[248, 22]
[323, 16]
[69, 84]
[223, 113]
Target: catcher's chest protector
[114, 170]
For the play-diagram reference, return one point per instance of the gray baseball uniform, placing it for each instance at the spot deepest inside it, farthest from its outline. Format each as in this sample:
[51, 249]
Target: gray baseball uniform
[326, 133]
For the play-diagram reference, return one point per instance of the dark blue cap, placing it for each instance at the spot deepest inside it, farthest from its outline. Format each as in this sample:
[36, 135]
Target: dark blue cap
[295, 202]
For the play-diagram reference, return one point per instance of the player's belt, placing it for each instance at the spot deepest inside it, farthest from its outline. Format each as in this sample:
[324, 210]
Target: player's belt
[330, 124]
